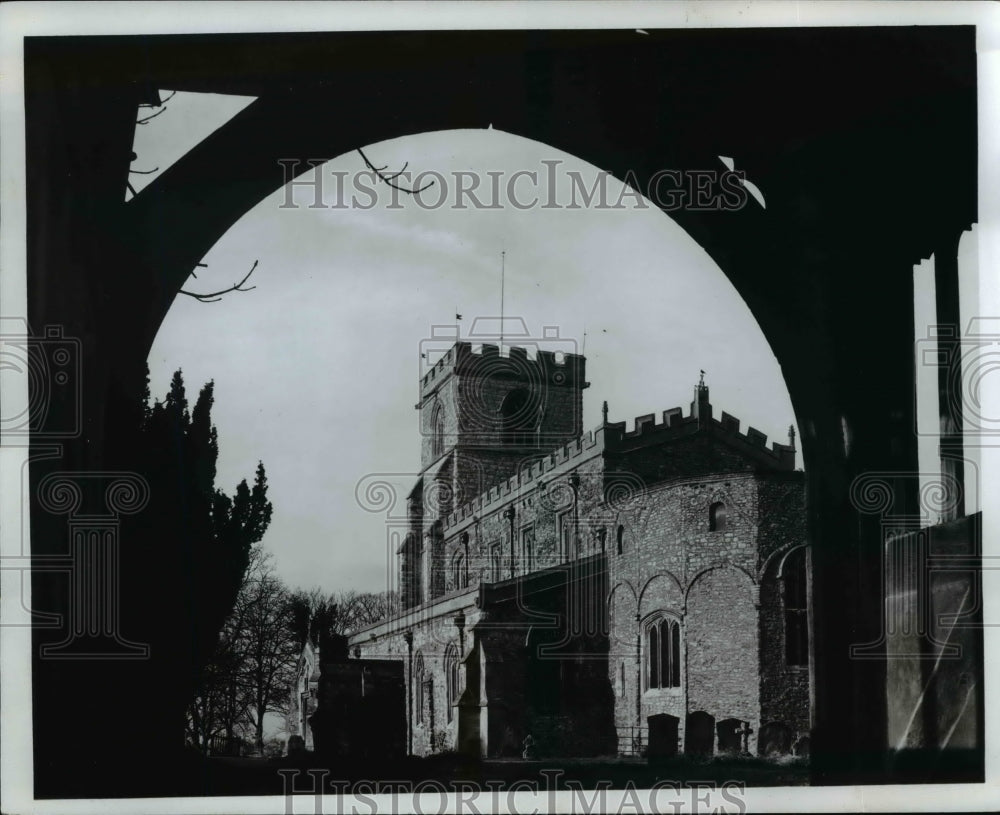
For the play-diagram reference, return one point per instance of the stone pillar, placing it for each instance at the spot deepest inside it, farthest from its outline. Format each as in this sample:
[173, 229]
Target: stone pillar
[949, 336]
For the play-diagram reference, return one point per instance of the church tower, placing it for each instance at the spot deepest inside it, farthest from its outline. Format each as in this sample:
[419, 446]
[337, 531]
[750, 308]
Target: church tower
[483, 413]
[509, 405]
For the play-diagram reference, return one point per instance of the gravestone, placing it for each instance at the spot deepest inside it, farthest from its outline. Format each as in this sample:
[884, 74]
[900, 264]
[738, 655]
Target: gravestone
[730, 733]
[662, 736]
[775, 739]
[700, 734]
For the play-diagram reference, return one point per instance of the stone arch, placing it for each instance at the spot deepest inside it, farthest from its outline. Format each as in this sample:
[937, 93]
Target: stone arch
[780, 555]
[784, 558]
[662, 591]
[220, 179]
[701, 574]
[793, 592]
[623, 586]
[623, 606]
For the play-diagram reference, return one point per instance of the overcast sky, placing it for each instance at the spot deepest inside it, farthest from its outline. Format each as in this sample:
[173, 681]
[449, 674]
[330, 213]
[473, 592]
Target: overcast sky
[316, 369]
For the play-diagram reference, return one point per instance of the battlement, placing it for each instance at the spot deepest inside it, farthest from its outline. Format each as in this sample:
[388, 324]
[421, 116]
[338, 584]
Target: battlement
[645, 429]
[524, 361]
[615, 437]
[560, 460]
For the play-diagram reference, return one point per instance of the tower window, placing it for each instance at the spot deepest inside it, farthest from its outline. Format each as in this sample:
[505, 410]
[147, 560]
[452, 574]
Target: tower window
[663, 653]
[437, 432]
[517, 418]
[621, 539]
[717, 517]
[793, 577]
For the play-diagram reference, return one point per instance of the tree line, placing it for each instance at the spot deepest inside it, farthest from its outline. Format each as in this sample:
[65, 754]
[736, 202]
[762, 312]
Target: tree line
[253, 669]
[237, 629]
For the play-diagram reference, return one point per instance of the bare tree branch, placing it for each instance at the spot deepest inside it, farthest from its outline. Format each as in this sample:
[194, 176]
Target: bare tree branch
[146, 119]
[215, 296]
[388, 179]
[394, 175]
[162, 101]
[145, 172]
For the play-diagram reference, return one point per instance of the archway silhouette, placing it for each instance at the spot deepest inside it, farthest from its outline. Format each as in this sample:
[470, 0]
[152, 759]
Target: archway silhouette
[826, 269]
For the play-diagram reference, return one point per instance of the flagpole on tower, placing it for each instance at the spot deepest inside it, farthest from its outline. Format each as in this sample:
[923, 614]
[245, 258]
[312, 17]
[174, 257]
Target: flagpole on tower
[503, 265]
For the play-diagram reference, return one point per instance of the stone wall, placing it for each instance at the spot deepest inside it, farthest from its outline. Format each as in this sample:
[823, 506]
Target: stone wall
[672, 562]
[433, 630]
[544, 515]
[782, 514]
[721, 647]
[784, 688]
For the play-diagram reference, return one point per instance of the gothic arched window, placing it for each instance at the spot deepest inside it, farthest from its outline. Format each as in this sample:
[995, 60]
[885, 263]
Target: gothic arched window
[663, 653]
[459, 579]
[418, 686]
[621, 539]
[451, 672]
[793, 578]
[717, 517]
[528, 549]
[437, 432]
[495, 562]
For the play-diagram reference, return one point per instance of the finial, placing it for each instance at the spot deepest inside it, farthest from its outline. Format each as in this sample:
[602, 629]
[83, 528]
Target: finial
[604, 411]
[791, 435]
[701, 383]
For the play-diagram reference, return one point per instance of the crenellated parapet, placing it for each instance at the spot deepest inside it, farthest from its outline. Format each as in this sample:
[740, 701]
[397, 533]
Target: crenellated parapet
[647, 431]
[536, 367]
[615, 437]
[558, 462]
